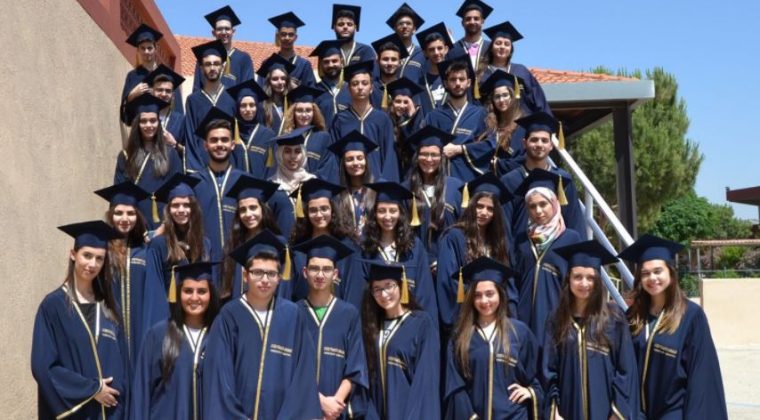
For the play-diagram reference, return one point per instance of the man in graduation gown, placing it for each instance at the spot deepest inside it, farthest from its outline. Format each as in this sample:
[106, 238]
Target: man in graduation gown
[469, 155]
[435, 42]
[259, 360]
[164, 82]
[345, 23]
[405, 22]
[211, 57]
[390, 52]
[239, 66]
[287, 25]
[367, 120]
[474, 14]
[335, 96]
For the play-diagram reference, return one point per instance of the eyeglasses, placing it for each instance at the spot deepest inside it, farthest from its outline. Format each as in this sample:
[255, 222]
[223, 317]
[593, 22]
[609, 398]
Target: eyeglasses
[377, 291]
[431, 156]
[320, 209]
[314, 270]
[259, 274]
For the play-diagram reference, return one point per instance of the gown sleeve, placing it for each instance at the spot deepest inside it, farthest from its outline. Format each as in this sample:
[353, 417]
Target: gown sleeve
[625, 385]
[705, 397]
[303, 383]
[449, 262]
[549, 371]
[529, 353]
[146, 377]
[424, 291]
[218, 379]
[424, 401]
[457, 403]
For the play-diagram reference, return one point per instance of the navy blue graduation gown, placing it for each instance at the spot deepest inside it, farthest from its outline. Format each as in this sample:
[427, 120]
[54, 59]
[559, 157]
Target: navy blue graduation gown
[159, 269]
[176, 398]
[482, 52]
[492, 371]
[467, 127]
[339, 353]
[406, 386]
[331, 102]
[378, 127]
[69, 360]
[251, 155]
[277, 122]
[539, 279]
[135, 77]
[174, 122]
[284, 288]
[198, 105]
[432, 88]
[241, 70]
[260, 371]
[591, 380]
[452, 254]
[452, 209]
[376, 98]
[679, 373]
[532, 97]
[148, 180]
[412, 66]
[303, 73]
[348, 286]
[320, 161]
[360, 52]
[506, 160]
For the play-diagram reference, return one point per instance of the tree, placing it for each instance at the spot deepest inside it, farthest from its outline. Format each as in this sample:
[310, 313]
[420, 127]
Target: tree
[666, 162]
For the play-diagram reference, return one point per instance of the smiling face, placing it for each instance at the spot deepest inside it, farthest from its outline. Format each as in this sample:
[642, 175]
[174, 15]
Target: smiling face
[501, 49]
[194, 297]
[148, 123]
[484, 209]
[501, 98]
[387, 215]
[404, 27]
[124, 218]
[88, 262]
[331, 66]
[403, 106]
[180, 210]
[387, 294]
[319, 273]
[278, 80]
[655, 277]
[304, 113]
[247, 108]
[163, 90]
[219, 144]
[538, 145]
[429, 159]
[355, 163]
[436, 51]
[582, 283]
[250, 213]
[472, 22]
[389, 62]
[540, 209]
[486, 300]
[292, 157]
[223, 31]
[320, 212]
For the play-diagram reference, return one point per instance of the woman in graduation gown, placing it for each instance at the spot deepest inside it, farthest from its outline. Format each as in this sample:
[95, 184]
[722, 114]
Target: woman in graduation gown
[407, 117]
[148, 160]
[79, 354]
[502, 100]
[401, 342]
[354, 171]
[252, 153]
[492, 359]
[275, 73]
[678, 365]
[588, 364]
[166, 382]
[478, 233]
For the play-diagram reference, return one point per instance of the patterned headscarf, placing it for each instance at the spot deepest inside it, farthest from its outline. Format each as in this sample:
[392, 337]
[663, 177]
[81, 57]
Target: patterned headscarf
[542, 236]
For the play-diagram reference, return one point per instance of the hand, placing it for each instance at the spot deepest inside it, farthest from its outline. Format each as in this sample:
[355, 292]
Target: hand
[558, 417]
[518, 394]
[138, 90]
[451, 150]
[169, 139]
[107, 395]
[331, 407]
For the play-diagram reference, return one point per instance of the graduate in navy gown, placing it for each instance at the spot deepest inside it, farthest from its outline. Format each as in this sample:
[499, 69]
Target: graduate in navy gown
[407, 118]
[678, 365]
[259, 359]
[345, 24]
[286, 35]
[540, 269]
[405, 22]
[335, 329]
[588, 364]
[252, 153]
[356, 168]
[274, 77]
[492, 360]
[371, 122]
[469, 154]
[478, 233]
[79, 354]
[501, 94]
[148, 160]
[335, 96]
[164, 84]
[390, 53]
[166, 381]
[211, 58]
[435, 42]
[140, 297]
[474, 14]
[401, 342]
[239, 66]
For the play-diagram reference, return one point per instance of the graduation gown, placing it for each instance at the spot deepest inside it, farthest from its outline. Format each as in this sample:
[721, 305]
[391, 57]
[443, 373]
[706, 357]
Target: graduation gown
[359, 52]
[467, 125]
[540, 279]
[159, 269]
[452, 254]
[492, 371]
[198, 105]
[332, 101]
[434, 93]
[679, 373]
[277, 123]
[149, 181]
[251, 155]
[532, 97]
[135, 77]
[378, 127]
[348, 286]
[409, 371]
[506, 160]
[174, 122]
[176, 398]
[484, 45]
[588, 380]
[240, 70]
[412, 66]
[303, 73]
[339, 353]
[69, 360]
[320, 161]
[260, 369]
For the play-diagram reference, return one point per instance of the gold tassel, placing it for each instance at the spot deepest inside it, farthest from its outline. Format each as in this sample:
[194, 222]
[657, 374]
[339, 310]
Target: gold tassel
[460, 287]
[476, 90]
[173, 287]
[154, 209]
[340, 79]
[404, 287]
[561, 136]
[299, 204]
[227, 67]
[237, 133]
[384, 103]
[415, 217]
[561, 192]
[270, 157]
[517, 88]
[137, 57]
[286, 266]
[465, 196]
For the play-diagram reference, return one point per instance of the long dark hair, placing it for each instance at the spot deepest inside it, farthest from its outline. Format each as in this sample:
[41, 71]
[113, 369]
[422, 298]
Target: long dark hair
[494, 236]
[503, 124]
[117, 248]
[596, 318]
[343, 200]
[172, 344]
[269, 104]
[674, 309]
[487, 59]
[339, 226]
[402, 232]
[404, 150]
[438, 201]
[101, 286]
[136, 153]
[185, 243]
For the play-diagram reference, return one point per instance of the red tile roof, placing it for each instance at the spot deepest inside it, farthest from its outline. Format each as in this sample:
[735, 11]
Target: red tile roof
[260, 51]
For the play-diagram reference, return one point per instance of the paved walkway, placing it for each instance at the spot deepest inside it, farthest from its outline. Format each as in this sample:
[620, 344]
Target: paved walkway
[740, 367]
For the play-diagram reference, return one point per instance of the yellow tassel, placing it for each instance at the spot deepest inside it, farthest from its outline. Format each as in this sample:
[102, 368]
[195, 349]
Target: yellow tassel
[237, 133]
[340, 79]
[227, 66]
[270, 157]
[137, 57]
[561, 192]
[299, 205]
[415, 217]
[286, 266]
[460, 287]
[384, 104]
[465, 196]
[561, 136]
[476, 89]
[517, 88]
[173, 287]
[154, 209]
[404, 287]
[285, 105]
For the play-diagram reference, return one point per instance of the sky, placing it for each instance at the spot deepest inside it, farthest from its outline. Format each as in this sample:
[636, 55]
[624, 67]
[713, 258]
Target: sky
[711, 48]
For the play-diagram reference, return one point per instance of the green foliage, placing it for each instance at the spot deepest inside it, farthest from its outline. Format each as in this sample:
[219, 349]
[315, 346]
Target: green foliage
[689, 284]
[730, 256]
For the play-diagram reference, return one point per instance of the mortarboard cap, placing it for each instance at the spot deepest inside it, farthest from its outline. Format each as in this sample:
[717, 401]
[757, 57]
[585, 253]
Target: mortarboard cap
[286, 20]
[317, 188]
[390, 192]
[265, 241]
[389, 42]
[210, 48]
[405, 10]
[248, 186]
[352, 70]
[586, 254]
[275, 62]
[385, 271]
[326, 49]
[540, 178]
[225, 13]
[503, 30]
[163, 70]
[247, 88]
[346, 10]
[179, 185]
[650, 247]
[457, 58]
[538, 121]
[500, 78]
[195, 271]
[324, 246]
[126, 193]
[430, 136]
[434, 33]
[403, 86]
[213, 113]
[487, 182]
[144, 103]
[486, 269]
[95, 233]
[144, 33]
[484, 9]
[293, 138]
[352, 141]
[304, 94]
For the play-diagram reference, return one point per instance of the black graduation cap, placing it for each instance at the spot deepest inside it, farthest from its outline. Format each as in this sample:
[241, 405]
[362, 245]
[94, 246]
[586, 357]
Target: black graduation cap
[486, 269]
[317, 188]
[353, 141]
[589, 254]
[500, 78]
[247, 88]
[275, 61]
[388, 42]
[403, 86]
[352, 70]
[293, 138]
[214, 47]
[455, 58]
[385, 271]
[538, 121]
[95, 233]
[163, 70]
[487, 182]
[346, 10]
[146, 102]
[213, 113]
[195, 271]
[265, 241]
[179, 185]
[324, 246]
[484, 9]
[248, 186]
[650, 247]
[126, 193]
[430, 136]
[503, 30]
[434, 33]
[303, 93]
[541, 178]
[326, 49]
[144, 33]
[225, 13]
[286, 20]
[405, 10]
[390, 192]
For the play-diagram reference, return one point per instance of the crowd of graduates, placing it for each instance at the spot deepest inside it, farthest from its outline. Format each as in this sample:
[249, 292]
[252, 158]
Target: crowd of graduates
[385, 237]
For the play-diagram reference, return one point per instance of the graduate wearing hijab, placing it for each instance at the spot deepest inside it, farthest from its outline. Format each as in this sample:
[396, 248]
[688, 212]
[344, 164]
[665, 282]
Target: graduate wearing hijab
[164, 84]
[79, 354]
[286, 35]
[678, 365]
[335, 329]
[404, 22]
[259, 360]
[335, 96]
[252, 153]
[436, 43]
[166, 382]
[588, 364]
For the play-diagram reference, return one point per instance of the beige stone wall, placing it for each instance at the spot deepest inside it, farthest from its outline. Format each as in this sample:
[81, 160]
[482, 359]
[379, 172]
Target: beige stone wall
[60, 81]
[731, 308]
